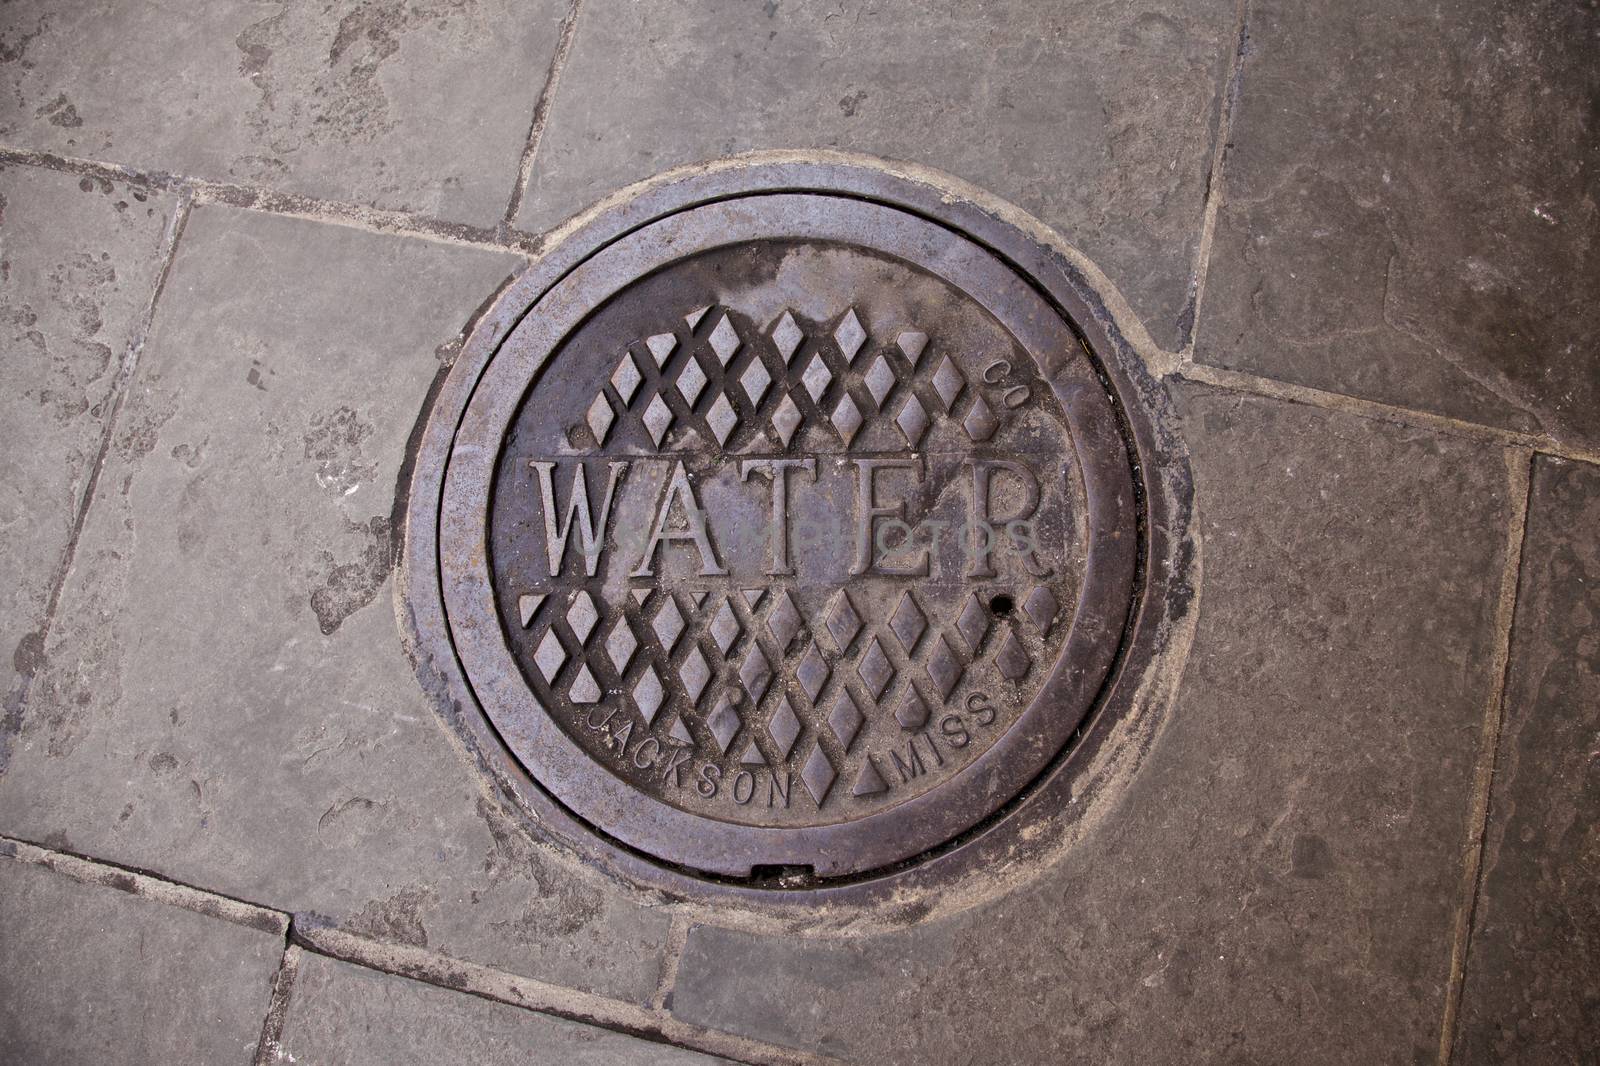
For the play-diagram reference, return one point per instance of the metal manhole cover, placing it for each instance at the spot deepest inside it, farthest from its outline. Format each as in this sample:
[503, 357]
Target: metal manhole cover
[785, 530]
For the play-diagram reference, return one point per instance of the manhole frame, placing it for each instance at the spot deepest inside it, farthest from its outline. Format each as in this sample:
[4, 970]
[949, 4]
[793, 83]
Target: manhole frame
[1160, 488]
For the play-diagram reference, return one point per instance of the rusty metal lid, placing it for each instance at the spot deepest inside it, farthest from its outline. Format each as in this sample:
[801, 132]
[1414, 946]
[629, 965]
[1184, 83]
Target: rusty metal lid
[789, 530]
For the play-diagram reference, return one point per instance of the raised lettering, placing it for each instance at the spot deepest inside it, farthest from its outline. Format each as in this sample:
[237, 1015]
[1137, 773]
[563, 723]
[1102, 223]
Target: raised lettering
[679, 490]
[869, 510]
[556, 533]
[778, 471]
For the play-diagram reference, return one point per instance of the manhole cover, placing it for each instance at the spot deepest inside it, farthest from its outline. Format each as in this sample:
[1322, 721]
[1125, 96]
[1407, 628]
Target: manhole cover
[783, 531]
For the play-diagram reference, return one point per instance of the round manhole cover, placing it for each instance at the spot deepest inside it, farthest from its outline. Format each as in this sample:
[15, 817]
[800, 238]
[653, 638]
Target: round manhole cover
[789, 530]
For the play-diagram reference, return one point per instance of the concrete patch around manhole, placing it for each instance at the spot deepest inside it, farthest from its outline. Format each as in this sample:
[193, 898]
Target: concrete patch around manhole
[797, 531]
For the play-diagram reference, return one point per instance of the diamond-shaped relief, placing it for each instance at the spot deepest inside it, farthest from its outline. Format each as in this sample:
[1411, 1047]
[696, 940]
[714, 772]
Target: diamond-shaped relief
[648, 695]
[875, 670]
[661, 346]
[843, 621]
[621, 644]
[944, 667]
[818, 775]
[756, 673]
[549, 656]
[816, 377]
[694, 317]
[528, 605]
[695, 673]
[724, 340]
[752, 755]
[911, 343]
[787, 336]
[600, 417]
[755, 381]
[691, 381]
[722, 419]
[849, 335]
[680, 733]
[912, 714]
[1041, 607]
[980, 422]
[973, 623]
[723, 723]
[813, 671]
[948, 382]
[912, 420]
[845, 720]
[784, 621]
[626, 378]
[584, 687]
[786, 419]
[869, 782]
[668, 623]
[725, 627]
[879, 380]
[846, 419]
[582, 616]
[784, 728]
[908, 622]
[657, 418]
[1012, 659]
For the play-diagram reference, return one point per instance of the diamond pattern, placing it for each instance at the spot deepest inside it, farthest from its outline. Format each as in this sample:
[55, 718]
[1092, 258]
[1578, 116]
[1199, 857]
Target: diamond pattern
[784, 621]
[725, 627]
[786, 419]
[912, 420]
[1012, 660]
[818, 775]
[879, 380]
[722, 419]
[843, 621]
[756, 673]
[695, 674]
[908, 622]
[752, 755]
[912, 343]
[846, 419]
[584, 688]
[691, 381]
[980, 422]
[912, 714]
[621, 644]
[668, 623]
[600, 417]
[724, 724]
[582, 616]
[626, 378]
[755, 381]
[944, 667]
[657, 419]
[812, 672]
[549, 656]
[1041, 607]
[694, 317]
[846, 720]
[874, 669]
[787, 336]
[648, 695]
[724, 340]
[528, 604]
[661, 346]
[948, 382]
[849, 335]
[973, 623]
[816, 377]
[784, 728]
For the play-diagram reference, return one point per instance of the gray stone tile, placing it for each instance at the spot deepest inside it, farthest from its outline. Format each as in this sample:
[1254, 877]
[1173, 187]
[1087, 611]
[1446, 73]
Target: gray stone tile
[1288, 857]
[225, 699]
[1409, 210]
[91, 974]
[1098, 117]
[348, 1014]
[1531, 994]
[417, 106]
[78, 263]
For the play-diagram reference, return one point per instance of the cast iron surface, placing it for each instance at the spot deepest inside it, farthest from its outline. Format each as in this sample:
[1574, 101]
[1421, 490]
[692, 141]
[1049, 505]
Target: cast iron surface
[790, 530]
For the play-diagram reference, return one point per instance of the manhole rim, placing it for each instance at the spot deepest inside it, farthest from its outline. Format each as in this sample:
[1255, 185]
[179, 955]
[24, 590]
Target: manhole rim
[1027, 248]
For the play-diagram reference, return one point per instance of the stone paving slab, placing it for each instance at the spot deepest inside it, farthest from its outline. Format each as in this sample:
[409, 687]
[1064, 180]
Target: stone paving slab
[347, 1014]
[1409, 210]
[1288, 859]
[91, 974]
[417, 106]
[225, 700]
[78, 265]
[1531, 994]
[1106, 134]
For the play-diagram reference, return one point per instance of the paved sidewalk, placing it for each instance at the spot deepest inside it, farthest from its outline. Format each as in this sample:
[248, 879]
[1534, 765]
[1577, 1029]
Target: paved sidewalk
[239, 247]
